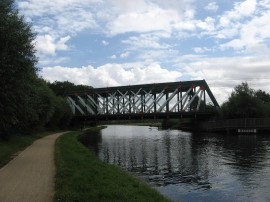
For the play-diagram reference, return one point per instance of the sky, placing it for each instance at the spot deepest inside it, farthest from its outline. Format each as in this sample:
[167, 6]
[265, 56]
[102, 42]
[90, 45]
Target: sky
[105, 43]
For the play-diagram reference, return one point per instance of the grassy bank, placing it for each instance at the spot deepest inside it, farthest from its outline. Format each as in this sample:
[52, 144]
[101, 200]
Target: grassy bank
[81, 176]
[16, 143]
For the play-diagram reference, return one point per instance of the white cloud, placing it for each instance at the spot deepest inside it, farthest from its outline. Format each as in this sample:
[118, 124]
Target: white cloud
[48, 45]
[111, 74]
[43, 7]
[242, 10]
[230, 22]
[125, 54]
[113, 57]
[61, 44]
[74, 20]
[228, 32]
[153, 19]
[118, 16]
[57, 21]
[45, 44]
[161, 55]
[105, 43]
[123, 6]
[145, 41]
[187, 25]
[212, 6]
[264, 3]
[67, 16]
[252, 34]
[224, 73]
[50, 60]
[208, 24]
[201, 49]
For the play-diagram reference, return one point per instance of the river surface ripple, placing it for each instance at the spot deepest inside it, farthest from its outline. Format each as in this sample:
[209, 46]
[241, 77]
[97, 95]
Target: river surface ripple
[186, 166]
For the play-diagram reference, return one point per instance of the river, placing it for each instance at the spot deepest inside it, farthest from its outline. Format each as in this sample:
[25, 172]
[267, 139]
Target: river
[186, 166]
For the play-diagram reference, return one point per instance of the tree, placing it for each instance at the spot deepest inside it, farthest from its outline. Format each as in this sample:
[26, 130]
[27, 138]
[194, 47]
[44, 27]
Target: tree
[265, 101]
[62, 88]
[62, 113]
[17, 69]
[242, 90]
[26, 101]
[243, 103]
[263, 96]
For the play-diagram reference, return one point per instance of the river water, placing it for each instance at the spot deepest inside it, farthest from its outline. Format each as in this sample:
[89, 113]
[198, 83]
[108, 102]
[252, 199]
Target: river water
[186, 166]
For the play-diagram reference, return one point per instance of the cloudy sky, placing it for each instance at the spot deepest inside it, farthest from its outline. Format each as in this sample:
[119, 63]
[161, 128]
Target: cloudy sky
[123, 42]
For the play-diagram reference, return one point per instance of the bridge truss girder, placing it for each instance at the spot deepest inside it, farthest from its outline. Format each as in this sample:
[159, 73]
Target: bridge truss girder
[156, 100]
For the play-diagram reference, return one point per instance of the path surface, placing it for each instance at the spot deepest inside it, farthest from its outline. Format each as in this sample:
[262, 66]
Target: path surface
[30, 176]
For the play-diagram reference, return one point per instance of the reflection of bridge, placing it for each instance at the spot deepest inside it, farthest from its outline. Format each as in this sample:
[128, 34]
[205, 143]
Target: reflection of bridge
[149, 101]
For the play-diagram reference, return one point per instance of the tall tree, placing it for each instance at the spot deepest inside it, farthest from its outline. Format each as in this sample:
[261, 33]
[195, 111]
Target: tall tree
[17, 69]
[243, 103]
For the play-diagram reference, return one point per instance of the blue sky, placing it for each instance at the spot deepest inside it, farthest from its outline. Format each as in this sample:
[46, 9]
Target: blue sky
[123, 42]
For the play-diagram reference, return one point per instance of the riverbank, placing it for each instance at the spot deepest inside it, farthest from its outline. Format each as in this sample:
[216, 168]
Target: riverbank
[10, 148]
[81, 176]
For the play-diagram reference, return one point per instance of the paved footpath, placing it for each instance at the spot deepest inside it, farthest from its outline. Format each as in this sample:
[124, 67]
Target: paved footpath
[30, 176]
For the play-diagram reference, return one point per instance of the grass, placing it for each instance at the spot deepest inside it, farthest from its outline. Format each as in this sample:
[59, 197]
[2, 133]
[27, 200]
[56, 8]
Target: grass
[9, 149]
[82, 177]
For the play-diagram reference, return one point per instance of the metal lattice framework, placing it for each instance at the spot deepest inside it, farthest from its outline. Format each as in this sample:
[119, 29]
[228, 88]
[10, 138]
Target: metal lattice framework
[150, 101]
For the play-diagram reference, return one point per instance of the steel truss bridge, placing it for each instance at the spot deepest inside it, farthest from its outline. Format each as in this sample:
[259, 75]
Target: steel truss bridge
[148, 101]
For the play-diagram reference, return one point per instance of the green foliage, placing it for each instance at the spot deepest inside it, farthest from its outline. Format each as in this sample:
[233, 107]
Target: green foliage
[62, 113]
[245, 102]
[46, 107]
[81, 176]
[17, 69]
[62, 88]
[26, 101]
[263, 96]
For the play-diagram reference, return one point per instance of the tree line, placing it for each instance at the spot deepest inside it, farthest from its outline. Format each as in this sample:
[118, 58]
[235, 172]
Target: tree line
[245, 102]
[27, 102]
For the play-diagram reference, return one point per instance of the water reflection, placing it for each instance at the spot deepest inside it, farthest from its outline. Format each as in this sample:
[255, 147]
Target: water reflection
[190, 167]
[92, 141]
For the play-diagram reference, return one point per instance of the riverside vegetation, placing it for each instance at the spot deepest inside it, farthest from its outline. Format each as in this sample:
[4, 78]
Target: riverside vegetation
[81, 176]
[27, 102]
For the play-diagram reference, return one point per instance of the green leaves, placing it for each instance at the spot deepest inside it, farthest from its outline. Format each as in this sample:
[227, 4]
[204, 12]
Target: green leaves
[245, 102]
[26, 101]
[62, 88]
[17, 69]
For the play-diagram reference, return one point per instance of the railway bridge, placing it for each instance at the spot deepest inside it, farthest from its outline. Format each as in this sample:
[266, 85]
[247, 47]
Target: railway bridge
[147, 101]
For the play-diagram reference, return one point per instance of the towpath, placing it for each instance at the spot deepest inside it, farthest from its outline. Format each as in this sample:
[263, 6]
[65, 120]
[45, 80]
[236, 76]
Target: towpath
[30, 176]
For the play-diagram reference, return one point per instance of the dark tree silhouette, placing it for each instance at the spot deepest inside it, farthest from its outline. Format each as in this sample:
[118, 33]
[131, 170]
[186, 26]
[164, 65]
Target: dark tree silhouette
[17, 69]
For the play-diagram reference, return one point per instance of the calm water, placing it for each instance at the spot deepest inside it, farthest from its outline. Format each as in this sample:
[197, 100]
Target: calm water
[190, 167]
